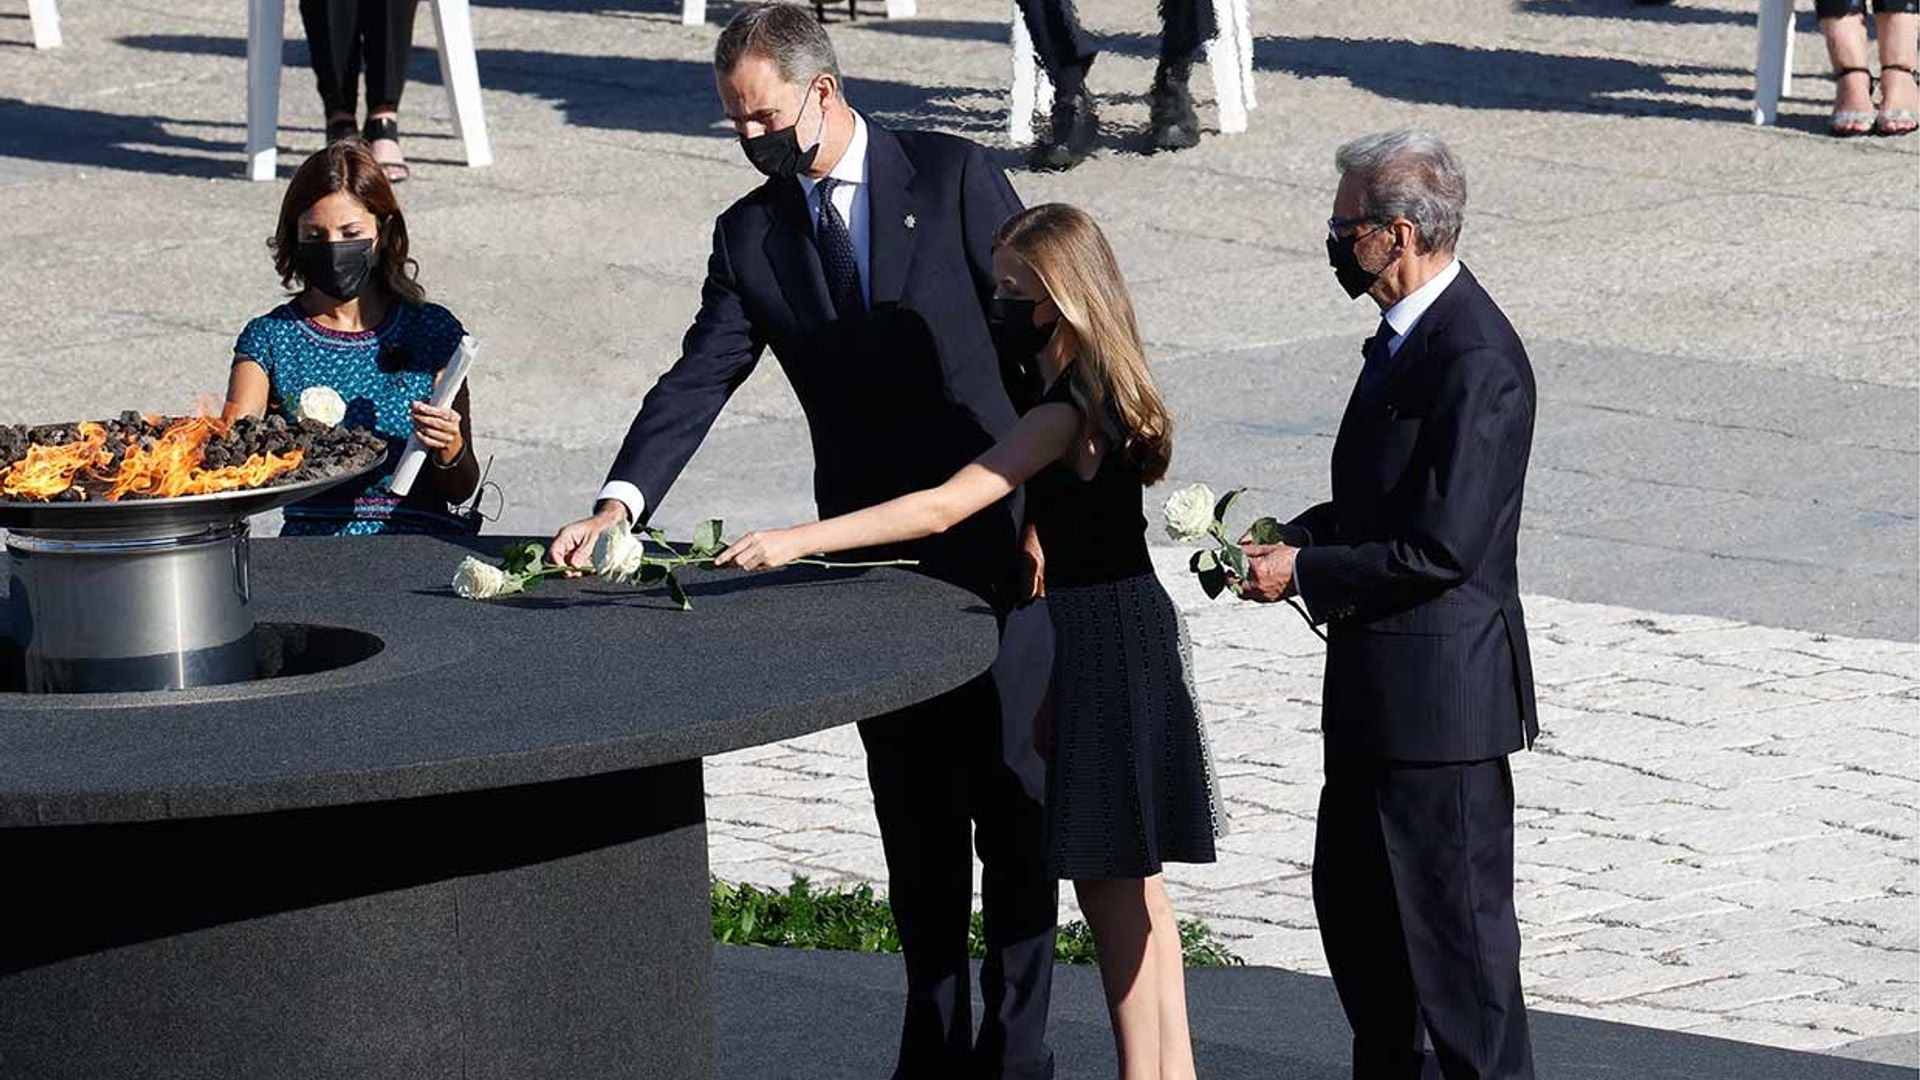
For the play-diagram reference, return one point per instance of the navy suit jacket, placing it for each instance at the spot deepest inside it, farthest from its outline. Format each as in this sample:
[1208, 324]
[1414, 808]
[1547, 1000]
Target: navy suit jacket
[896, 401]
[1412, 563]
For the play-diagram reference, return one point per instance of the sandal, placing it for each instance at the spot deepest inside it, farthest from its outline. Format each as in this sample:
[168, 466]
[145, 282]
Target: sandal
[1847, 123]
[386, 129]
[1894, 121]
[338, 130]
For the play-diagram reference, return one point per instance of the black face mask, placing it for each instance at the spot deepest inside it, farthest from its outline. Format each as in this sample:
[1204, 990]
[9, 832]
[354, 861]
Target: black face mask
[1353, 277]
[341, 270]
[1011, 321]
[777, 154]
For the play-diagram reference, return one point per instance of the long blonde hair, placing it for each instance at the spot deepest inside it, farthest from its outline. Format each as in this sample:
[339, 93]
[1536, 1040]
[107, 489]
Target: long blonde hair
[1110, 381]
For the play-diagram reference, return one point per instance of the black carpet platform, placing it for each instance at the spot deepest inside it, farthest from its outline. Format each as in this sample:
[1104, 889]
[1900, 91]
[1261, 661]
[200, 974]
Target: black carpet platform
[478, 852]
[788, 1014]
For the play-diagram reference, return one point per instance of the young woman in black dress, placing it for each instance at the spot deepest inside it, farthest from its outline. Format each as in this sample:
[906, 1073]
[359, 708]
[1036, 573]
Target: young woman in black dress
[1130, 782]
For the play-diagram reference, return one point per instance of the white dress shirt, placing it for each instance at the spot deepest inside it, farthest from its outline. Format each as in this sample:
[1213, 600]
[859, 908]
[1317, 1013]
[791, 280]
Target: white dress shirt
[1402, 317]
[850, 197]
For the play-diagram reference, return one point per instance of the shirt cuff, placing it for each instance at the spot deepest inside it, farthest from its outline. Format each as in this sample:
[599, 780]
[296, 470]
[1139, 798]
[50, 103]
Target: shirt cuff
[626, 495]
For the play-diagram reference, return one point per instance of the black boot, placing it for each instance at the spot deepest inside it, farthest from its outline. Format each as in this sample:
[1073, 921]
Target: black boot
[1172, 124]
[1070, 134]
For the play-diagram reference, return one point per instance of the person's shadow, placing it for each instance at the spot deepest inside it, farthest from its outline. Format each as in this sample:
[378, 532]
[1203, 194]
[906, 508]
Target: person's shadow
[1447, 74]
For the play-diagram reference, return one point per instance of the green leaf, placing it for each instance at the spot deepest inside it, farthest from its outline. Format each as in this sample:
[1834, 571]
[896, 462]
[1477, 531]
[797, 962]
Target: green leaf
[1235, 560]
[524, 557]
[1213, 582]
[652, 573]
[1225, 504]
[1202, 562]
[706, 538]
[679, 594]
[1264, 531]
[653, 533]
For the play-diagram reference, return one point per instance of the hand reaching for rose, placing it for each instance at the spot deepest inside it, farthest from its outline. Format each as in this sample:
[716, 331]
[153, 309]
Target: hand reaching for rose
[768, 550]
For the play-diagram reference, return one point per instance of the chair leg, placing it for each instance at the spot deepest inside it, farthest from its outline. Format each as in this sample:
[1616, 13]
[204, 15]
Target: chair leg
[1243, 26]
[902, 9]
[1776, 30]
[453, 29]
[693, 13]
[46, 23]
[1027, 79]
[266, 29]
[1223, 59]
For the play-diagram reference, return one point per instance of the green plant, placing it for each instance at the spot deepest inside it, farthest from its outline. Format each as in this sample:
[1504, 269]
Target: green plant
[856, 919]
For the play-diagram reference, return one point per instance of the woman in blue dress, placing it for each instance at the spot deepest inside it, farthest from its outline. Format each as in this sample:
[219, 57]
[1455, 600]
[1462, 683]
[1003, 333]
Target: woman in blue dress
[360, 325]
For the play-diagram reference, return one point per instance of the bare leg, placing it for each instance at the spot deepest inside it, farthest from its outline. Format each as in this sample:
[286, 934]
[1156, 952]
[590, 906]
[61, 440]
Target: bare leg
[1122, 923]
[1176, 1043]
[1899, 48]
[1853, 85]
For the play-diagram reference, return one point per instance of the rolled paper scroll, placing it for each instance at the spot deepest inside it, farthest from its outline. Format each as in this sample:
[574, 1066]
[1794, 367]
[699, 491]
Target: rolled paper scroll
[415, 455]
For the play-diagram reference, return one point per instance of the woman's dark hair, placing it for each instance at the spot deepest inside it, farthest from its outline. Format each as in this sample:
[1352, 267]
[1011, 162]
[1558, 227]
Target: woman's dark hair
[348, 166]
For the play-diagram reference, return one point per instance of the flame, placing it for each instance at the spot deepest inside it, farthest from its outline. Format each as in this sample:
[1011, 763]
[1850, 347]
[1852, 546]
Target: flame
[47, 471]
[173, 466]
[170, 467]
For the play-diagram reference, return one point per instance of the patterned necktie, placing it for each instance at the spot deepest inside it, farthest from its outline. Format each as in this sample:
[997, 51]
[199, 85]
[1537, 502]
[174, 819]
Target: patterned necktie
[836, 255]
[1378, 359]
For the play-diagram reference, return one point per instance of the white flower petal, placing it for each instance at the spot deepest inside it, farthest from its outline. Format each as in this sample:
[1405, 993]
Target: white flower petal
[477, 580]
[322, 403]
[1189, 513]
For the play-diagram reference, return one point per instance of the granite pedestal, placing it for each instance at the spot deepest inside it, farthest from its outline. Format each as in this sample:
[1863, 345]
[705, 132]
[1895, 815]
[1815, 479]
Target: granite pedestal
[478, 850]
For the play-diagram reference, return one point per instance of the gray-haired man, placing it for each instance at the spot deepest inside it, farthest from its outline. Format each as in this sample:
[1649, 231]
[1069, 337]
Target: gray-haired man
[1428, 685]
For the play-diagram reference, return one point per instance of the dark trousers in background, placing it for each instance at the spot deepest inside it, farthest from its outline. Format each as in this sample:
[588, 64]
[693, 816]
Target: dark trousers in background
[1413, 886]
[1066, 50]
[346, 36]
[953, 774]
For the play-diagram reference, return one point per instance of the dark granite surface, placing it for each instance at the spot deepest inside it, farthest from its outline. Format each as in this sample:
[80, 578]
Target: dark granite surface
[574, 678]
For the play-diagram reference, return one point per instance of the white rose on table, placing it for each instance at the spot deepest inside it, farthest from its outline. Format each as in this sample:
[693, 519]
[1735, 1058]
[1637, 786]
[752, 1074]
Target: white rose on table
[1189, 513]
[621, 555]
[322, 403]
[476, 580]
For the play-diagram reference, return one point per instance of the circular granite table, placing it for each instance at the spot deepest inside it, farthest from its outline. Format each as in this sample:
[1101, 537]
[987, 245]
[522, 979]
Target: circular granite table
[478, 852]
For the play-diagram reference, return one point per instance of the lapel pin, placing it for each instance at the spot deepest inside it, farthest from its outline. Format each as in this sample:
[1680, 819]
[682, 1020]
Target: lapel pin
[911, 222]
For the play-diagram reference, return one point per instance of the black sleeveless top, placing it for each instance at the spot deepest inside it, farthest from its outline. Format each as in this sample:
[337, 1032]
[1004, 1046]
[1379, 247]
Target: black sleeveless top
[1092, 531]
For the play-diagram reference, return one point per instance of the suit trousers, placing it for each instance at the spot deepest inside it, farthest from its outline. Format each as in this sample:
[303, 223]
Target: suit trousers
[1413, 886]
[344, 35]
[1066, 50]
[957, 773]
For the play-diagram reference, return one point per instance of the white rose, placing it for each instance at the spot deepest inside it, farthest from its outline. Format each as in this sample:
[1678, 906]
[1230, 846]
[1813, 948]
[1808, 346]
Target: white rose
[1189, 513]
[620, 555]
[322, 403]
[476, 580]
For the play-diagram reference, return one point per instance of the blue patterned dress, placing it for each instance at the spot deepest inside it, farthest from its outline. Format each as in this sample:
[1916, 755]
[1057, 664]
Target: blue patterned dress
[379, 373]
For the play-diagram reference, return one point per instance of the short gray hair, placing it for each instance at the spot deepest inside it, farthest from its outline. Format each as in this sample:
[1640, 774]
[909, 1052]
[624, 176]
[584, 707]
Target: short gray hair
[1410, 174]
[786, 34]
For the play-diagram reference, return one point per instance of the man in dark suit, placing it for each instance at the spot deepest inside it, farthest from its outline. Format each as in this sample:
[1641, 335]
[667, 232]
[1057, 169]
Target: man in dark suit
[1428, 685]
[864, 263]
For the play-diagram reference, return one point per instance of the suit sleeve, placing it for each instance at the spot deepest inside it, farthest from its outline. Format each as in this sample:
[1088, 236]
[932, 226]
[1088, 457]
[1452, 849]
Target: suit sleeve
[718, 353]
[1477, 437]
[1319, 523]
[987, 199]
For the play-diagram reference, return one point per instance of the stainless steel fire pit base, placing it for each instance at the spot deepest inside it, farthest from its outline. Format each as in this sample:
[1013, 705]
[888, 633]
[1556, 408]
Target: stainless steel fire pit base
[160, 607]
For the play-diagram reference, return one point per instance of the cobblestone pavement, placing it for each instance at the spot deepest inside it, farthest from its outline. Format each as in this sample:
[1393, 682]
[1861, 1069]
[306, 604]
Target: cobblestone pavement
[1715, 832]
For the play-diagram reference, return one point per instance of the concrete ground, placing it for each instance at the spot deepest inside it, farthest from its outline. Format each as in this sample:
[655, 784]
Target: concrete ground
[1722, 540]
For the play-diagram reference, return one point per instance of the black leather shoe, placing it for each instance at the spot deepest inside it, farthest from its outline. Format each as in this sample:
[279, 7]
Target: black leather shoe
[1070, 134]
[1172, 123]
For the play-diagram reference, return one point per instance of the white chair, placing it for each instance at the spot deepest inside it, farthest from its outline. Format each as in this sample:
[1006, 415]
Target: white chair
[1229, 57]
[459, 73]
[46, 23]
[1773, 73]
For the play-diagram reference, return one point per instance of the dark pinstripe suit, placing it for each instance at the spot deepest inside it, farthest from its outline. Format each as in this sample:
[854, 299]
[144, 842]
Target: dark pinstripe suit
[1428, 688]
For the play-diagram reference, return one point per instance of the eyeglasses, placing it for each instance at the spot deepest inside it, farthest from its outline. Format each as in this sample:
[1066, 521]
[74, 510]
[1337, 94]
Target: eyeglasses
[1336, 224]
